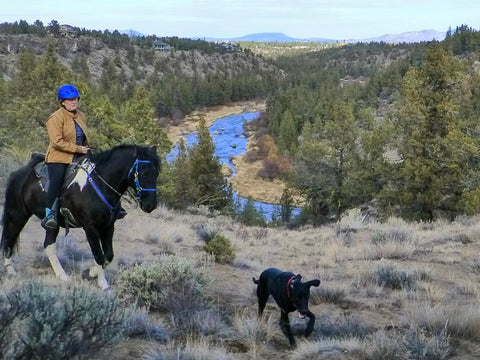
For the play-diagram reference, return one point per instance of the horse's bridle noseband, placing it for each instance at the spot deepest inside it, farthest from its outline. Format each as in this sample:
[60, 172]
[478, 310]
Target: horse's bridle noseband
[138, 187]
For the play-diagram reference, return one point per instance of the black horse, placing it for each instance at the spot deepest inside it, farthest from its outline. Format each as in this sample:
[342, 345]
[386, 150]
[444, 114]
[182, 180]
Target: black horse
[91, 197]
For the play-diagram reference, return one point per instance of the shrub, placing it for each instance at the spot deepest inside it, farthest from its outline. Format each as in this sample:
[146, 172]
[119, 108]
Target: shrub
[326, 294]
[221, 248]
[207, 231]
[139, 324]
[192, 350]
[270, 169]
[381, 237]
[163, 285]
[387, 275]
[42, 321]
[422, 345]
[253, 331]
[341, 328]
[251, 156]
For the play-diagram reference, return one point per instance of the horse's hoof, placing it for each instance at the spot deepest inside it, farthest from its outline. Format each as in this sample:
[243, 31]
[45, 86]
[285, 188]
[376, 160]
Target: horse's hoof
[103, 284]
[86, 275]
[65, 278]
[93, 272]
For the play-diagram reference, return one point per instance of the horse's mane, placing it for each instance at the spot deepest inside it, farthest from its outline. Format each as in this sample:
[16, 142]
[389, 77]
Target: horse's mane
[141, 152]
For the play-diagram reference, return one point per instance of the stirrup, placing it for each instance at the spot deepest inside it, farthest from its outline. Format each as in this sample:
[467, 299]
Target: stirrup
[50, 222]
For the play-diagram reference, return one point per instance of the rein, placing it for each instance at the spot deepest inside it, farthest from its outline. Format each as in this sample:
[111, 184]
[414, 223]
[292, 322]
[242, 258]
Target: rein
[138, 187]
[99, 192]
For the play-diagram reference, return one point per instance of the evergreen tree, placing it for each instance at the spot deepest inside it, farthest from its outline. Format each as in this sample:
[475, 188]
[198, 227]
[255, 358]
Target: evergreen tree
[105, 129]
[80, 68]
[251, 216]
[211, 188]
[138, 115]
[54, 27]
[184, 186]
[286, 205]
[324, 161]
[287, 137]
[436, 154]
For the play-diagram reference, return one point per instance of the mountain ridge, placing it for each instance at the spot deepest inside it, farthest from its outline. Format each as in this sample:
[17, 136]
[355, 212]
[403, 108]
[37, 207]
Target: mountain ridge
[407, 37]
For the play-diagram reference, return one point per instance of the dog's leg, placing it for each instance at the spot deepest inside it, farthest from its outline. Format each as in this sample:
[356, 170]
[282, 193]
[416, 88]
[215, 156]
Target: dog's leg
[262, 295]
[285, 326]
[311, 323]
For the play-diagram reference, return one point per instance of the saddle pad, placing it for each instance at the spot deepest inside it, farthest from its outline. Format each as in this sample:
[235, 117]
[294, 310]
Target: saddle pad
[41, 170]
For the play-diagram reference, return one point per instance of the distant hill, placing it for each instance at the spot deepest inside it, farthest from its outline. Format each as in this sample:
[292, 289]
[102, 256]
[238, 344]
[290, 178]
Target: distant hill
[269, 37]
[407, 37]
[131, 33]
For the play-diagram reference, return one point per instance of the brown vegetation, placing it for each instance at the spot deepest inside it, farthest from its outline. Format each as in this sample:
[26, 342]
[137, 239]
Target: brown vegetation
[392, 289]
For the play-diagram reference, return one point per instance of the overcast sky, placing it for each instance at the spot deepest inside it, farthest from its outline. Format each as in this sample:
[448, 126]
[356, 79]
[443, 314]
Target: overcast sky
[332, 19]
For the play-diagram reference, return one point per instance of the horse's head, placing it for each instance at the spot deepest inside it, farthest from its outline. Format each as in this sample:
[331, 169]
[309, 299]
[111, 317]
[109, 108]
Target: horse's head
[143, 177]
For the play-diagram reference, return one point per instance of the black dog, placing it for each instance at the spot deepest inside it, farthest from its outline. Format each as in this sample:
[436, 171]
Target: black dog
[289, 293]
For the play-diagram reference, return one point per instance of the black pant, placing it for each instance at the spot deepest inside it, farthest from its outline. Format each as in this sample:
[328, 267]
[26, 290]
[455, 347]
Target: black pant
[56, 173]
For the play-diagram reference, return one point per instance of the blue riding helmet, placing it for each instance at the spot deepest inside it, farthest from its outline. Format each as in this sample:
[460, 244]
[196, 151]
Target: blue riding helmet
[68, 91]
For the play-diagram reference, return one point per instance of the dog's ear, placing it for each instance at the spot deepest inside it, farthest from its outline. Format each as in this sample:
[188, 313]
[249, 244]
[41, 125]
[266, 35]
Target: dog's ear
[298, 277]
[315, 283]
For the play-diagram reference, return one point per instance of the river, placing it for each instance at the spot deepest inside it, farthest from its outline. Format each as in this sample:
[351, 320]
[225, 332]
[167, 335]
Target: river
[229, 139]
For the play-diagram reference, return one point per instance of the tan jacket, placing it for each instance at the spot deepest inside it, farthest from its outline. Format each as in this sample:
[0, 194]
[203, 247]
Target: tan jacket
[62, 135]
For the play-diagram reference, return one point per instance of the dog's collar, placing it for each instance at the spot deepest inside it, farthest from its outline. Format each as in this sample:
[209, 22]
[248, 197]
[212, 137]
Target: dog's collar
[288, 286]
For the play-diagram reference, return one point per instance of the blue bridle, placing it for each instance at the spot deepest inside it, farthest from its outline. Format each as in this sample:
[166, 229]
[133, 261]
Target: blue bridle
[138, 187]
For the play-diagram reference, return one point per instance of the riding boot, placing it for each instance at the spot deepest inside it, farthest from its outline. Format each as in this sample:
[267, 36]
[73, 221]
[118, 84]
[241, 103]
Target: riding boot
[119, 212]
[50, 220]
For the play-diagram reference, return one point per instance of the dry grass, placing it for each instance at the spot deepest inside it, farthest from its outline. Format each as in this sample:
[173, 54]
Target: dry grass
[387, 290]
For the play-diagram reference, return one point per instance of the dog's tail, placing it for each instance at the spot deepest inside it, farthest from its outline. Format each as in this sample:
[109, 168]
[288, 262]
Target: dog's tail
[255, 281]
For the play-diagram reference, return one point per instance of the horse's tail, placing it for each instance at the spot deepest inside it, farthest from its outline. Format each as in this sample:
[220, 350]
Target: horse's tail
[16, 182]
[13, 205]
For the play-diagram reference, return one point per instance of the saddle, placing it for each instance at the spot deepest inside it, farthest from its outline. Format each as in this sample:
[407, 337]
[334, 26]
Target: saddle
[37, 161]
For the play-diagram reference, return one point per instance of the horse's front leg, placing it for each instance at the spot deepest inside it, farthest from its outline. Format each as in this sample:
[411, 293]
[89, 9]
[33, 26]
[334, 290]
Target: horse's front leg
[98, 269]
[107, 244]
[50, 248]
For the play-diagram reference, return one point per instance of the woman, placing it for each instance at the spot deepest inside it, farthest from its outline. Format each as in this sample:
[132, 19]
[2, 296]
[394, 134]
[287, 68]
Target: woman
[66, 129]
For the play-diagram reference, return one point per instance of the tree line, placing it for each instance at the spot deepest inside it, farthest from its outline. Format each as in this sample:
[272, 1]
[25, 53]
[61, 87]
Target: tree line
[130, 107]
[394, 124]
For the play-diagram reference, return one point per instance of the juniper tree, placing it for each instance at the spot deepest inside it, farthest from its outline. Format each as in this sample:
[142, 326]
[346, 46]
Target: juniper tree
[324, 161]
[138, 115]
[437, 155]
[183, 182]
[211, 188]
